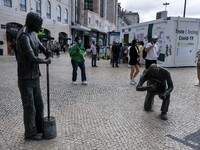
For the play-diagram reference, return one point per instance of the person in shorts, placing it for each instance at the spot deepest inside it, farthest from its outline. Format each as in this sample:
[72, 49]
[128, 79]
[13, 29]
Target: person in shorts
[134, 61]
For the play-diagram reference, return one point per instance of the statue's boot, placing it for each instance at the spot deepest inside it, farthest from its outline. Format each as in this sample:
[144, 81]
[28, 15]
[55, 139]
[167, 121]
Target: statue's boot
[35, 137]
[163, 116]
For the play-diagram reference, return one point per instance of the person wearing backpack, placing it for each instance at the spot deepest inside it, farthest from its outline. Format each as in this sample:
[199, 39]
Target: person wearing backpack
[151, 49]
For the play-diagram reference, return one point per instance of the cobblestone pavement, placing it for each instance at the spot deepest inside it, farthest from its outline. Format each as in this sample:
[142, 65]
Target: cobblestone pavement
[107, 114]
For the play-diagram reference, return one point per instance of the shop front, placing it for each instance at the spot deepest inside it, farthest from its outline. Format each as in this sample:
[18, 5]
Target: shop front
[12, 29]
[83, 32]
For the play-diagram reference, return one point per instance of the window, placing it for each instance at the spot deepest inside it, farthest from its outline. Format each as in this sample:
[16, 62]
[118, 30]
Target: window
[38, 7]
[101, 8]
[22, 4]
[76, 11]
[48, 10]
[66, 16]
[58, 14]
[88, 5]
[8, 3]
[97, 22]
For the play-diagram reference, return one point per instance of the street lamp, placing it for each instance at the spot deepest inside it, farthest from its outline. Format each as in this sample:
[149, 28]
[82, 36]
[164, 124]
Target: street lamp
[184, 9]
[165, 4]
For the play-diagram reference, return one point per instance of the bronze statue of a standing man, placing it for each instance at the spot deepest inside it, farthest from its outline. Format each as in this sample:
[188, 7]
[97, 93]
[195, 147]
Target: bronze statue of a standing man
[28, 47]
[159, 83]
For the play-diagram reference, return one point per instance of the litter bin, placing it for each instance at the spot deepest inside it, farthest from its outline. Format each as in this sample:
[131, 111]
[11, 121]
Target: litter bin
[1, 51]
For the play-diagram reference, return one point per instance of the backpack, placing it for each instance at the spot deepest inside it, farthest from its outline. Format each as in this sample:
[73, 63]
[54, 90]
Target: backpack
[144, 53]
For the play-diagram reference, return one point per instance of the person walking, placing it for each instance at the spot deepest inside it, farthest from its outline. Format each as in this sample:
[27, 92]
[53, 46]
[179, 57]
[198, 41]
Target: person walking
[13, 45]
[198, 68]
[151, 49]
[94, 54]
[115, 52]
[141, 48]
[134, 61]
[57, 49]
[77, 53]
[110, 54]
[28, 60]
[98, 52]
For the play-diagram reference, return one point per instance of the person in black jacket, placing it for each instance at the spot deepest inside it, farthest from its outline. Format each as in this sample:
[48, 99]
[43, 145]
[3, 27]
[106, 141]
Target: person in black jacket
[134, 61]
[115, 52]
[28, 60]
[159, 83]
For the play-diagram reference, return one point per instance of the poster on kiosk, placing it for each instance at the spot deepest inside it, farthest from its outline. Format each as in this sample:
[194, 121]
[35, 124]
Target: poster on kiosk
[178, 39]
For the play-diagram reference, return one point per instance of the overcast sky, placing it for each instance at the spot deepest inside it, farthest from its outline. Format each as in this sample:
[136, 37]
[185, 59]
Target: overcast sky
[147, 8]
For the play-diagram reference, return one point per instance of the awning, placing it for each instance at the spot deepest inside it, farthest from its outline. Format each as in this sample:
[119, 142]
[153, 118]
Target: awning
[80, 27]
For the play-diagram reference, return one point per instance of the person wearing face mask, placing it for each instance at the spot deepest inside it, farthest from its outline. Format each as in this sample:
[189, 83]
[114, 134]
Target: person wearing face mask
[77, 53]
[28, 60]
[159, 83]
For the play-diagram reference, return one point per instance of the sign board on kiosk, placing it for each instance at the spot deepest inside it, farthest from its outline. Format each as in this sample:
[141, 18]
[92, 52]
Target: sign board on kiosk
[114, 36]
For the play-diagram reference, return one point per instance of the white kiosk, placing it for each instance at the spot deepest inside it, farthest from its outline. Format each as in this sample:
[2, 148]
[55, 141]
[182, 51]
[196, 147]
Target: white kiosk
[178, 39]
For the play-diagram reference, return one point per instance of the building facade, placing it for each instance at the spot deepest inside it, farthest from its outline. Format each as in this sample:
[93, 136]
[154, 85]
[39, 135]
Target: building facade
[131, 17]
[93, 19]
[63, 20]
[56, 16]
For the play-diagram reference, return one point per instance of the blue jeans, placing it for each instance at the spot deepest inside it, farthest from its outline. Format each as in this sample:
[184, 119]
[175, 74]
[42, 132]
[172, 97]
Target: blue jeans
[75, 66]
[94, 60]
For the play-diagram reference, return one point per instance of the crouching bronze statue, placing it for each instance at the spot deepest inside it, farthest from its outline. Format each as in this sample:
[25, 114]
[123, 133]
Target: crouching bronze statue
[159, 83]
[28, 60]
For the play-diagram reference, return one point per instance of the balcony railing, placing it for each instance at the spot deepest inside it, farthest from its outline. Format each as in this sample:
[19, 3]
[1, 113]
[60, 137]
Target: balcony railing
[48, 15]
[59, 19]
[38, 12]
[66, 21]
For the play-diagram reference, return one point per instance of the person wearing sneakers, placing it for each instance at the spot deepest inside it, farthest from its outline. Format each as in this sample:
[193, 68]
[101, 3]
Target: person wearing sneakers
[198, 68]
[77, 53]
[134, 61]
[159, 83]
[94, 54]
[151, 49]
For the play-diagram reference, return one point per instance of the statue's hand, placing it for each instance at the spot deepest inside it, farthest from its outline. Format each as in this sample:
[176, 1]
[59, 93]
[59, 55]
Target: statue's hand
[163, 96]
[49, 54]
[152, 88]
[48, 61]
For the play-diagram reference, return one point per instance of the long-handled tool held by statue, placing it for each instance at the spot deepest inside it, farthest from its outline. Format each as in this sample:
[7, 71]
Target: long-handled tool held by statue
[49, 123]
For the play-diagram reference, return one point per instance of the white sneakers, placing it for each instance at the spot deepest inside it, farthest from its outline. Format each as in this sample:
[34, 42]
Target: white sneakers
[83, 83]
[74, 82]
[133, 82]
[197, 85]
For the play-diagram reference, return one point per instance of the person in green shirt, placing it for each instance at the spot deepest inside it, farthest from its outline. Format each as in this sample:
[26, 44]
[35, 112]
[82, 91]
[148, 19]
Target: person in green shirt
[77, 53]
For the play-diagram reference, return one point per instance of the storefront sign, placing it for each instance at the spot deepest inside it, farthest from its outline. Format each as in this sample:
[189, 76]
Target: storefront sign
[3, 26]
